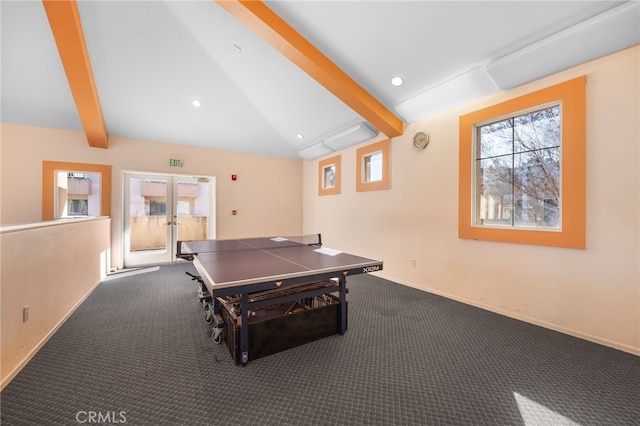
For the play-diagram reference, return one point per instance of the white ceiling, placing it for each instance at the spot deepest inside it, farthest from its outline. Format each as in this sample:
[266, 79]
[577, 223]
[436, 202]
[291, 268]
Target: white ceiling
[150, 59]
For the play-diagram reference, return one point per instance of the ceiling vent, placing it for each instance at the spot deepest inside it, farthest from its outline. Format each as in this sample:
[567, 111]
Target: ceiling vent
[459, 90]
[608, 32]
[361, 132]
[314, 151]
[350, 136]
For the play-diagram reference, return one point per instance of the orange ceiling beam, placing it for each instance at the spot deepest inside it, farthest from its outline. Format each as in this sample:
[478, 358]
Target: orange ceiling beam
[64, 20]
[257, 16]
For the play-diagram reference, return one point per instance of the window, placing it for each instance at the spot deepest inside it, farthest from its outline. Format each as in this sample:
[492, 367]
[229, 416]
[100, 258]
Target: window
[75, 189]
[329, 176]
[78, 207]
[76, 194]
[373, 165]
[157, 208]
[372, 170]
[517, 172]
[522, 169]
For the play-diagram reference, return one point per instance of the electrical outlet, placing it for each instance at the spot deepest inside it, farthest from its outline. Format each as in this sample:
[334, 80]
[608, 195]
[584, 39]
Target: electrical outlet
[25, 313]
[413, 261]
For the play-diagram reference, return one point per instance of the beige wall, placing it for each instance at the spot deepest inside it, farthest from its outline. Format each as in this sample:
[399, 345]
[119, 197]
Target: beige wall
[267, 194]
[592, 293]
[51, 269]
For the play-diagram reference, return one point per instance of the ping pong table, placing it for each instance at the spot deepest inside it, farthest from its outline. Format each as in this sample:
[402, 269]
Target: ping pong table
[260, 272]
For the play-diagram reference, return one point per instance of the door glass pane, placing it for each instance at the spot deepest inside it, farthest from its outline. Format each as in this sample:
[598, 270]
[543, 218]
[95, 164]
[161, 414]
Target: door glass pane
[192, 208]
[148, 214]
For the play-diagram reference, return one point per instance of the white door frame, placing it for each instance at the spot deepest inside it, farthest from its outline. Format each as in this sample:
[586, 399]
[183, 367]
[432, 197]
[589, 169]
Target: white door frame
[168, 255]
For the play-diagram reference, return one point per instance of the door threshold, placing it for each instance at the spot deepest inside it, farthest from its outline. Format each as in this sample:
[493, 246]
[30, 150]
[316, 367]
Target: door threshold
[129, 272]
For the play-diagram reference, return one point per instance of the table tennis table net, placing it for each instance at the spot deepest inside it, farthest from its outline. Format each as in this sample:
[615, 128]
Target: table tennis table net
[263, 243]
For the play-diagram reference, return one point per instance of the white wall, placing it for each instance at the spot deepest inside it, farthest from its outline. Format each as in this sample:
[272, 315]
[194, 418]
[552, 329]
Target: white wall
[267, 194]
[592, 293]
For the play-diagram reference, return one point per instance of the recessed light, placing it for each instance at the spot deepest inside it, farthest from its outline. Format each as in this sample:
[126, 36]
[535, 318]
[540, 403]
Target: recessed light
[397, 81]
[300, 136]
[197, 103]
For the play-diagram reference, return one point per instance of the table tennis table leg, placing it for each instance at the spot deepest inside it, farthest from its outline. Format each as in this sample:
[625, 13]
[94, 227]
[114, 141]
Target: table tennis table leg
[218, 322]
[244, 330]
[343, 304]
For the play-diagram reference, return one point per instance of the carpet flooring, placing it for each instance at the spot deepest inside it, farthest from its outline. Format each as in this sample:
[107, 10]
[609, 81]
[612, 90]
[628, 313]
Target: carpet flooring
[137, 352]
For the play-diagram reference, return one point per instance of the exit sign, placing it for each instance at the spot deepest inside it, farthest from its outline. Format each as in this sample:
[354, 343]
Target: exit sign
[175, 163]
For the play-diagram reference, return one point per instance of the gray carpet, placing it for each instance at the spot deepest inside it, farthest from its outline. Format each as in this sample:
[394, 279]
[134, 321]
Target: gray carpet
[137, 352]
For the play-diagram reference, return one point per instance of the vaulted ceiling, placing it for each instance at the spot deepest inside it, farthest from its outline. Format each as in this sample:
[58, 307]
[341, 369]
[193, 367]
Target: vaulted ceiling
[295, 79]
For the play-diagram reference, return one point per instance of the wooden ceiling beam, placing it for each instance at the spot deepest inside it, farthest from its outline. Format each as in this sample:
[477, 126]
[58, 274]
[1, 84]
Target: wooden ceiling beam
[257, 16]
[64, 20]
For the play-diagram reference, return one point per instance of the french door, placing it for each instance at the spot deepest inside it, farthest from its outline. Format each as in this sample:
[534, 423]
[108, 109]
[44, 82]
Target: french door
[160, 210]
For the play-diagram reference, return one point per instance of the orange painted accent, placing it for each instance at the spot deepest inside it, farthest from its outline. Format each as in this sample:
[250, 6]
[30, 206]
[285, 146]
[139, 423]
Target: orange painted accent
[49, 185]
[385, 183]
[573, 168]
[64, 20]
[336, 161]
[257, 16]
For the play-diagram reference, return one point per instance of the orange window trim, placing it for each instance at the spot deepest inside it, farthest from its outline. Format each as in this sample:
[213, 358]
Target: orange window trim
[385, 183]
[48, 185]
[336, 161]
[571, 94]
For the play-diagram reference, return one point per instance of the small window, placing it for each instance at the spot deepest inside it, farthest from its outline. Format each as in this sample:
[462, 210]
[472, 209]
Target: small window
[373, 165]
[522, 169]
[329, 176]
[75, 189]
[77, 194]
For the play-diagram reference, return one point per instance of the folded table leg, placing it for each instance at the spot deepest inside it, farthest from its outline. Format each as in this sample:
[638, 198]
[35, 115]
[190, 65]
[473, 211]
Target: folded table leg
[244, 329]
[343, 304]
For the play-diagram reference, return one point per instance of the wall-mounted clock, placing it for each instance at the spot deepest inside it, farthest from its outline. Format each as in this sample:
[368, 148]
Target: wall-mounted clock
[420, 140]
